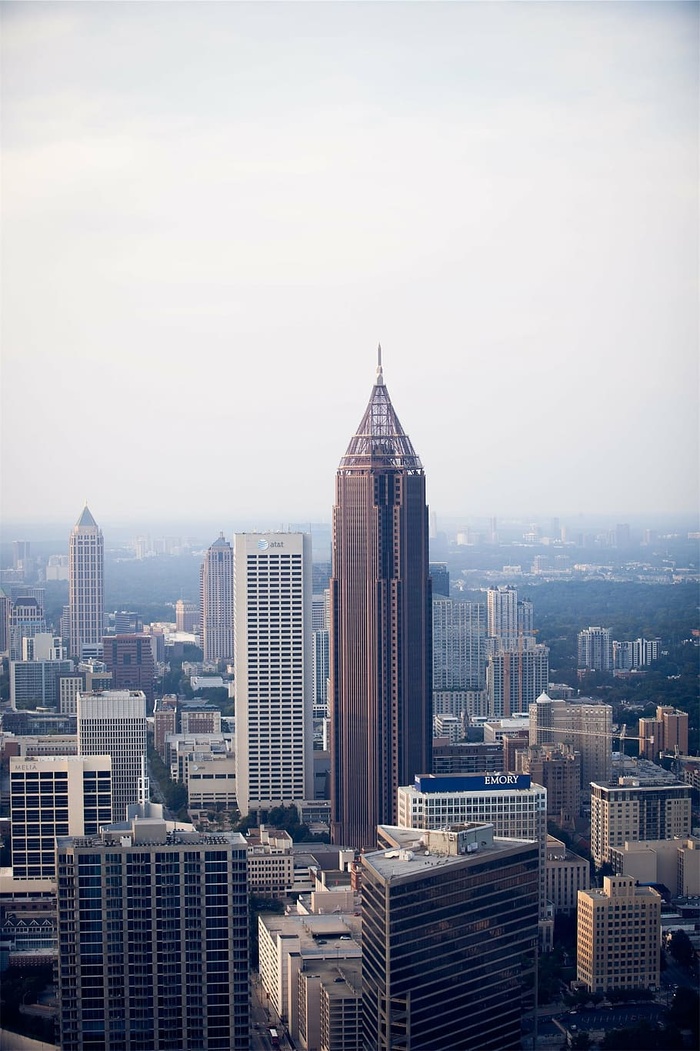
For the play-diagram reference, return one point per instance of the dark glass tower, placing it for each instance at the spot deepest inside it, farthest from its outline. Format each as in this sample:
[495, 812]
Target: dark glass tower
[380, 660]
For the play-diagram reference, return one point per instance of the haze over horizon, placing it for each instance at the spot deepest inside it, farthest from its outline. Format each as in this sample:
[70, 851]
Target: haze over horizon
[212, 213]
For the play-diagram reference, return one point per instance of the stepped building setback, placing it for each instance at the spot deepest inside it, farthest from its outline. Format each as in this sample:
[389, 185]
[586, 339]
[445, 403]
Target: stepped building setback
[618, 945]
[637, 810]
[113, 722]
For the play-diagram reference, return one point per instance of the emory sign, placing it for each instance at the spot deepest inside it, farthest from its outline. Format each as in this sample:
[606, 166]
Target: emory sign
[469, 782]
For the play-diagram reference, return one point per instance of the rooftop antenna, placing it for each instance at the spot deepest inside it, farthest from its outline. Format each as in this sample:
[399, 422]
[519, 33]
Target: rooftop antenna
[380, 377]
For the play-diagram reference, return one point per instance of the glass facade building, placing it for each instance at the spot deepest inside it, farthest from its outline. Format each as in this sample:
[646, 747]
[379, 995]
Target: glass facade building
[153, 940]
[449, 930]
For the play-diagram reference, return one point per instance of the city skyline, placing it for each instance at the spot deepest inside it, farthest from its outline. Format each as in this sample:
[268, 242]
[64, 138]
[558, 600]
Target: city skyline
[504, 195]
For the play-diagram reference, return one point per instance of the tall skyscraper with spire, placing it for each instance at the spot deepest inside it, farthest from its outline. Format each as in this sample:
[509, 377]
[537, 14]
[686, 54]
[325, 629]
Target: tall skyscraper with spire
[380, 661]
[86, 602]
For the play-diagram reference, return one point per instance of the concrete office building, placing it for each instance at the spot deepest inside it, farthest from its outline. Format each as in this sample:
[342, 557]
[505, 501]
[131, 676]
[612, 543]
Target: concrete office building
[586, 726]
[449, 925]
[153, 940]
[274, 728]
[558, 768]
[216, 601]
[86, 604]
[667, 731]
[380, 660]
[634, 810]
[288, 944]
[211, 782]
[90, 676]
[515, 806]
[618, 941]
[673, 862]
[129, 659]
[113, 722]
[330, 1006]
[566, 873]
[55, 796]
[270, 862]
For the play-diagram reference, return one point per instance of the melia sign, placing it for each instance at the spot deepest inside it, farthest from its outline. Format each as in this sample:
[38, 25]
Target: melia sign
[470, 782]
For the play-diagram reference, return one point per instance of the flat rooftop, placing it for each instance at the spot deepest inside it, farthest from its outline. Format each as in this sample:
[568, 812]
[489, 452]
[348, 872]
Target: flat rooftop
[412, 855]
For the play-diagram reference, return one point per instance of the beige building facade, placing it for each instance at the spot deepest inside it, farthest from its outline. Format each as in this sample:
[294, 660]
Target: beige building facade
[618, 939]
[635, 810]
[673, 862]
[566, 874]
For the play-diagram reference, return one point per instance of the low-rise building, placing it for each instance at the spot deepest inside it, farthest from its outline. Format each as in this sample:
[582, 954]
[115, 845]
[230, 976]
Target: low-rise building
[211, 781]
[566, 873]
[673, 862]
[270, 862]
[330, 1006]
[289, 943]
[618, 940]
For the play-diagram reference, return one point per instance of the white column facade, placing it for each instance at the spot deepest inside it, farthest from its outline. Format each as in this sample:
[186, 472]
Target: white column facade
[273, 661]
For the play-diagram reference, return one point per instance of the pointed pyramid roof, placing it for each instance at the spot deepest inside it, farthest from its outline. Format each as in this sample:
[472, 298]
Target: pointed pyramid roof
[86, 521]
[380, 440]
[221, 541]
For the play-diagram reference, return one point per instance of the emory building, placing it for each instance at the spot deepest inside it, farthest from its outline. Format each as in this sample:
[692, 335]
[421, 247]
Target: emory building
[515, 806]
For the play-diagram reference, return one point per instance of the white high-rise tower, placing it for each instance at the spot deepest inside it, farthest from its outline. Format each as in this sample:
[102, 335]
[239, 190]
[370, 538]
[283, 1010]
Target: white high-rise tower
[86, 605]
[216, 601]
[113, 722]
[272, 644]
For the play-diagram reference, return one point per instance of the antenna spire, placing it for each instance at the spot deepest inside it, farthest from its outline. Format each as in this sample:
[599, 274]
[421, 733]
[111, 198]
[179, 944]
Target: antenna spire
[380, 376]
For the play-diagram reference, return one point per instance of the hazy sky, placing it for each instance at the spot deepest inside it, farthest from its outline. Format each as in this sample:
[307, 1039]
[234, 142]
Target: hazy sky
[212, 212]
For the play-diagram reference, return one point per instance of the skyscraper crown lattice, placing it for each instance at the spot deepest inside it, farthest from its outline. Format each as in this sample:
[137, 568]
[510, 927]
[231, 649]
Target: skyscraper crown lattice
[380, 440]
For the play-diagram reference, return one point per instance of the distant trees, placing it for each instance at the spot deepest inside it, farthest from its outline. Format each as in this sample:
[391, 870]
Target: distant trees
[174, 794]
[684, 1011]
[286, 819]
[643, 1037]
[681, 948]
